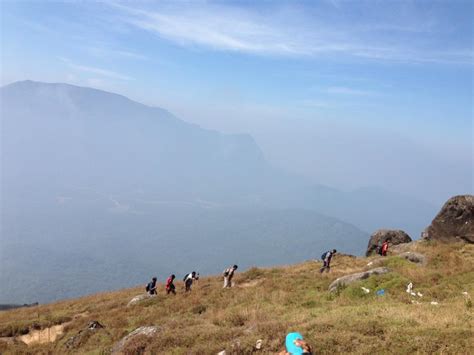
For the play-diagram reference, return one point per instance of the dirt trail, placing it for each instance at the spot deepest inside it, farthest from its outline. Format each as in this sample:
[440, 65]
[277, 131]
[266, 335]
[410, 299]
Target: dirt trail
[47, 335]
[42, 336]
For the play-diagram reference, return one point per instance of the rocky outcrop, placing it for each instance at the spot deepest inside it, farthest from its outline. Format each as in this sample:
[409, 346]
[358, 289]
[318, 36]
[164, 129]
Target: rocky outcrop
[393, 236]
[348, 279]
[454, 222]
[133, 340]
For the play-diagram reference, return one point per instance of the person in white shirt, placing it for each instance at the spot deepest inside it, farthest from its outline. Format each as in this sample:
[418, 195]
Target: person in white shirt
[327, 257]
[189, 279]
[228, 275]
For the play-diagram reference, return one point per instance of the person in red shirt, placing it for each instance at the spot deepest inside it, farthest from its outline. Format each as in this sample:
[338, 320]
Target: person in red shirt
[384, 248]
[170, 288]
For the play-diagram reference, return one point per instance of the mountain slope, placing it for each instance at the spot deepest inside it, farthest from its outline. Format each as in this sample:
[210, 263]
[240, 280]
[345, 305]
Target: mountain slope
[266, 304]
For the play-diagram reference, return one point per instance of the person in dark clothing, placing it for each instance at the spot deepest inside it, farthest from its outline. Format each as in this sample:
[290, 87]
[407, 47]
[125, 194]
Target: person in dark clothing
[151, 287]
[327, 257]
[170, 288]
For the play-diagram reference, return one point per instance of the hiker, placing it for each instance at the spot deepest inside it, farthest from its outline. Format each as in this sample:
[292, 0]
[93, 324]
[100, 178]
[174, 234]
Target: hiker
[228, 275]
[189, 279]
[326, 257]
[151, 287]
[384, 249]
[295, 344]
[170, 288]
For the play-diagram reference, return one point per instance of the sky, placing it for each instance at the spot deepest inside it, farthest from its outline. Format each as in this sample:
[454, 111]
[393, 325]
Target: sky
[345, 93]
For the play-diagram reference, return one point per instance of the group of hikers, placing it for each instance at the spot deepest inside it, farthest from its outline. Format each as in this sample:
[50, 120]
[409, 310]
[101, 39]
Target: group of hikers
[294, 343]
[188, 281]
[227, 274]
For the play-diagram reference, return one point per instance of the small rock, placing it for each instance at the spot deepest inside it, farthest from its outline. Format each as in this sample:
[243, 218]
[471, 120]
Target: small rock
[76, 340]
[416, 258]
[138, 299]
[94, 325]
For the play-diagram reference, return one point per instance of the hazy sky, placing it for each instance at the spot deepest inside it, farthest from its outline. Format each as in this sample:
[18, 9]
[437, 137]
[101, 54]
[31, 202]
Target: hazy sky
[347, 93]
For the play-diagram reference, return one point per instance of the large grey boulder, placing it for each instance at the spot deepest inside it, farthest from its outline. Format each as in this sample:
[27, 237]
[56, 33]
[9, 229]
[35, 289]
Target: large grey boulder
[393, 236]
[454, 222]
[121, 346]
[348, 279]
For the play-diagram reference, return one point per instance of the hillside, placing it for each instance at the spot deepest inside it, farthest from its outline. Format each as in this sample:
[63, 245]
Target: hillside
[269, 302]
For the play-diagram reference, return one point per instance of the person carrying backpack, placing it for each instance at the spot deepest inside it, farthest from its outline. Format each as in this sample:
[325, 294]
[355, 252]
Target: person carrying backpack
[326, 257]
[189, 279]
[151, 287]
[170, 288]
[228, 275]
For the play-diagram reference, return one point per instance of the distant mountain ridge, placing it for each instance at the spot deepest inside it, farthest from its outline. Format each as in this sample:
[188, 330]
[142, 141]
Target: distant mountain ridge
[83, 135]
[67, 136]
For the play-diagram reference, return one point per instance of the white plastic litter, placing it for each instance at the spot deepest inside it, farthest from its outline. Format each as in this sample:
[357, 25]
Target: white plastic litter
[415, 302]
[366, 290]
[409, 288]
[434, 303]
[370, 264]
[419, 294]
[259, 344]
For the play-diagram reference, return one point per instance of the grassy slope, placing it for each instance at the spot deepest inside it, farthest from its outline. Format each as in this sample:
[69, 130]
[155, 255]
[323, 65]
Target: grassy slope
[268, 303]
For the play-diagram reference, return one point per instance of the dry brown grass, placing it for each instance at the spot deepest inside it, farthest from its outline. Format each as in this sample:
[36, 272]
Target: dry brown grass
[274, 301]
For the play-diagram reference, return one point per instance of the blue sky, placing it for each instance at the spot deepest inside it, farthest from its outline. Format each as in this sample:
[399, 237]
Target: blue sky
[348, 93]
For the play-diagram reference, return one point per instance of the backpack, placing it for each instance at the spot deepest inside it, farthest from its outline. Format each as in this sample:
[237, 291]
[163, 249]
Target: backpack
[226, 272]
[147, 287]
[324, 255]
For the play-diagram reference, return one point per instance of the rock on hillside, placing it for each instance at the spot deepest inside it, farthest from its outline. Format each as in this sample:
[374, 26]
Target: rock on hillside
[348, 279]
[392, 235]
[135, 341]
[454, 222]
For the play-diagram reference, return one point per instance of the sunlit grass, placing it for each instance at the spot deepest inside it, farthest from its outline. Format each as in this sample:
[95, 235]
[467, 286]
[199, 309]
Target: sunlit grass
[269, 302]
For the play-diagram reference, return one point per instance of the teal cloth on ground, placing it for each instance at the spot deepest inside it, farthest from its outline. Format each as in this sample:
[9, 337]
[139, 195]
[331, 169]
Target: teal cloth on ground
[290, 343]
